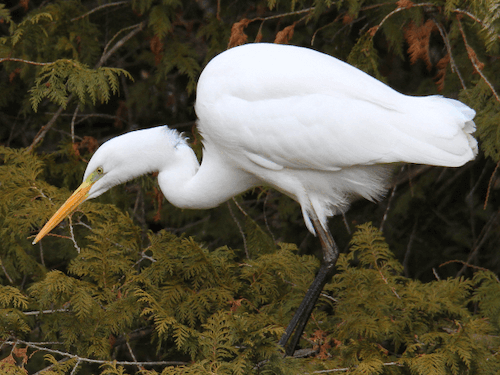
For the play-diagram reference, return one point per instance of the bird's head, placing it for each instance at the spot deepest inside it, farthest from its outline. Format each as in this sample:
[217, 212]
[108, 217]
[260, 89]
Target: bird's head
[119, 160]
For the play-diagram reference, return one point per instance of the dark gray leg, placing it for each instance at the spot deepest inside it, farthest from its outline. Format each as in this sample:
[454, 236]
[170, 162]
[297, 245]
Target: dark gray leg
[299, 320]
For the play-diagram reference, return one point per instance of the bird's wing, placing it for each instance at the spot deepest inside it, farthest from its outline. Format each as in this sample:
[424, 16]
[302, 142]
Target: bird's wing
[296, 108]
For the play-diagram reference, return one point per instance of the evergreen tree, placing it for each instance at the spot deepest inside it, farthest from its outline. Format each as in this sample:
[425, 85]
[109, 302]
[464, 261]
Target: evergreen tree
[132, 285]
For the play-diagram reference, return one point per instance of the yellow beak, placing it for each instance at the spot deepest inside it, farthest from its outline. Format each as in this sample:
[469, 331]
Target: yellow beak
[69, 206]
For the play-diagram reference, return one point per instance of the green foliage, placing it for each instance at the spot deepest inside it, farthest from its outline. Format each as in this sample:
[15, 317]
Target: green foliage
[61, 77]
[110, 291]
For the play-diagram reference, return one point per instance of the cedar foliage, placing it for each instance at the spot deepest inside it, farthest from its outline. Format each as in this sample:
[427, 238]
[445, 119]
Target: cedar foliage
[131, 285]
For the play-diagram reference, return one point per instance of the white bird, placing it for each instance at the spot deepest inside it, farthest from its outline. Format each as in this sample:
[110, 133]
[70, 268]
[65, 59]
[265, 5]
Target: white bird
[300, 121]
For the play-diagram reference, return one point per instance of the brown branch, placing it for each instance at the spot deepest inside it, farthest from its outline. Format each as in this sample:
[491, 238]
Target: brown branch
[23, 61]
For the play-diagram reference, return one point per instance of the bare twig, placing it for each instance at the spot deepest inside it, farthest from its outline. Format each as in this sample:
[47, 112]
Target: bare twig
[73, 123]
[6, 273]
[140, 368]
[23, 61]
[90, 360]
[41, 133]
[265, 216]
[45, 312]
[474, 18]
[118, 3]
[446, 41]
[245, 247]
[73, 372]
[397, 10]
[490, 184]
[73, 235]
[346, 369]
[106, 54]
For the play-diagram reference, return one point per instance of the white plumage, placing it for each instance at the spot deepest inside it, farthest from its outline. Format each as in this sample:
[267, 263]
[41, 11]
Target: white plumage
[305, 123]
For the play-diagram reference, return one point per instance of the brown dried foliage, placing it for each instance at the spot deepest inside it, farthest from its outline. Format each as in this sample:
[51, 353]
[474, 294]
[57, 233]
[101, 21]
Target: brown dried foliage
[284, 36]
[89, 143]
[418, 38]
[24, 4]
[238, 35]
[441, 72]
[120, 114]
[156, 46]
[404, 4]
[473, 57]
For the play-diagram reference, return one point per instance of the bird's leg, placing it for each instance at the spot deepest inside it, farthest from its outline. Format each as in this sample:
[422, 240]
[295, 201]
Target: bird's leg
[299, 320]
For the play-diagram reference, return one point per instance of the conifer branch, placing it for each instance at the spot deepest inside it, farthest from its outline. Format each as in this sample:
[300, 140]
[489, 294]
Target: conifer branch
[475, 61]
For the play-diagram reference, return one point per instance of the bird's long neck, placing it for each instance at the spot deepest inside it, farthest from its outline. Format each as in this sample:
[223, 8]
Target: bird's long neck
[186, 184]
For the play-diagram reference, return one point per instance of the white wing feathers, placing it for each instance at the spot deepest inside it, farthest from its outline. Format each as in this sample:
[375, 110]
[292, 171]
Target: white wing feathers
[303, 110]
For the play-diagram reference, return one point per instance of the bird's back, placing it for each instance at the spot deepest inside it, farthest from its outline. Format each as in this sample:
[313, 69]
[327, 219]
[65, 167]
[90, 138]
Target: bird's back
[301, 108]
[319, 129]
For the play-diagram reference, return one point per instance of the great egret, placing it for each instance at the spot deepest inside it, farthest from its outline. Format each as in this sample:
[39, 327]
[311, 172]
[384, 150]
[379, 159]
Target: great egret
[300, 121]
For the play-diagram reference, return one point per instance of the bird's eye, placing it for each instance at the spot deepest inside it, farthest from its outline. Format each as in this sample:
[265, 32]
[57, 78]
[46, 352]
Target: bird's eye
[100, 170]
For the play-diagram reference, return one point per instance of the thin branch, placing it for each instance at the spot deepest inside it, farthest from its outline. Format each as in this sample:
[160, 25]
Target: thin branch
[140, 368]
[106, 54]
[467, 265]
[73, 235]
[446, 41]
[51, 366]
[386, 213]
[346, 369]
[245, 247]
[41, 133]
[265, 216]
[283, 15]
[474, 60]
[474, 18]
[44, 312]
[490, 184]
[6, 273]
[118, 3]
[73, 372]
[397, 10]
[73, 123]
[23, 61]
[90, 360]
